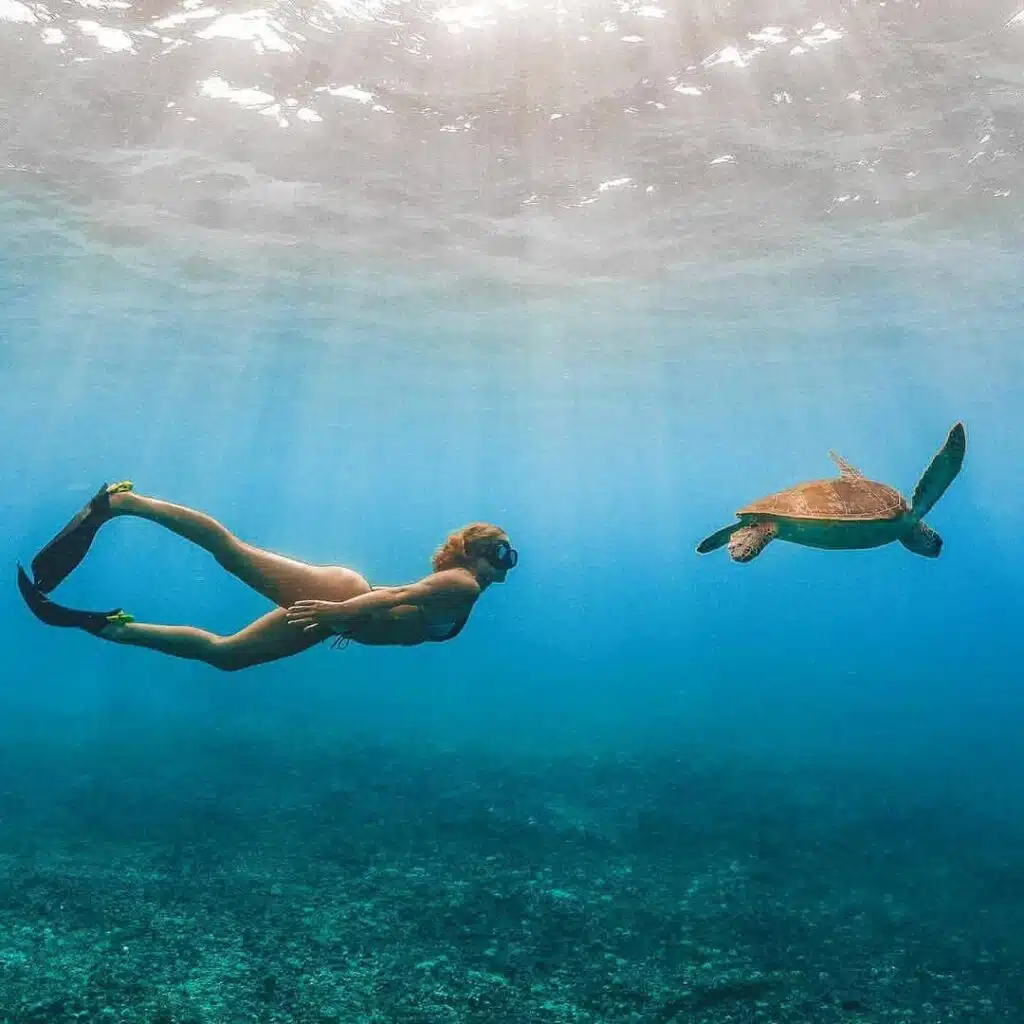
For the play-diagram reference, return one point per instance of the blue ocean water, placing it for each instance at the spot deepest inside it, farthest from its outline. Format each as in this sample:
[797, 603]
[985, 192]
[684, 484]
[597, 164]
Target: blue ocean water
[349, 275]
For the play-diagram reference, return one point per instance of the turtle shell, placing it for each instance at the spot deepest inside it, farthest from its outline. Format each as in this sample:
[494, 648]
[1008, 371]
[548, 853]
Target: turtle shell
[839, 500]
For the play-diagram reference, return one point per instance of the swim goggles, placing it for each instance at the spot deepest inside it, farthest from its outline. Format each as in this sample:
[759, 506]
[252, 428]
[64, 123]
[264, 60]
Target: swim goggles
[499, 553]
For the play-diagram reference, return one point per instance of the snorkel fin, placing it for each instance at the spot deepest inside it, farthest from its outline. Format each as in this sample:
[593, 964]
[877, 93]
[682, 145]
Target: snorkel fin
[54, 614]
[64, 552]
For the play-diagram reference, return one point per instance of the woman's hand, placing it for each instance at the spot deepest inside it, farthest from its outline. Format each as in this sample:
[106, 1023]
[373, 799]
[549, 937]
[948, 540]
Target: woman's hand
[311, 615]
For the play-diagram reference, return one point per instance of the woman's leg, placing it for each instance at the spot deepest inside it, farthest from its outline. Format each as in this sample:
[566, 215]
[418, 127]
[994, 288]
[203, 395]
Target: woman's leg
[283, 580]
[267, 639]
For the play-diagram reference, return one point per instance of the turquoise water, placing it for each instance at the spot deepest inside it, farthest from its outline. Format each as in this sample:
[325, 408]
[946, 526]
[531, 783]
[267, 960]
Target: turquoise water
[601, 276]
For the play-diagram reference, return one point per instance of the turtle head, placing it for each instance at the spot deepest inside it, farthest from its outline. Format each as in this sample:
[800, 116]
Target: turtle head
[922, 540]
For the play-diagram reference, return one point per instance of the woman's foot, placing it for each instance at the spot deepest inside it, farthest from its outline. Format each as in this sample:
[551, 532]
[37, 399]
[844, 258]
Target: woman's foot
[64, 553]
[116, 626]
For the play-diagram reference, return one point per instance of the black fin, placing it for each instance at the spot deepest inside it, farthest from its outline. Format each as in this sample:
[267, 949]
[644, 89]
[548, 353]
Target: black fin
[65, 552]
[54, 614]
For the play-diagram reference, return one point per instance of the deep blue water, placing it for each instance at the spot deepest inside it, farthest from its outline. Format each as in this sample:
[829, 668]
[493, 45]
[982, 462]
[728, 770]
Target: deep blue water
[601, 286]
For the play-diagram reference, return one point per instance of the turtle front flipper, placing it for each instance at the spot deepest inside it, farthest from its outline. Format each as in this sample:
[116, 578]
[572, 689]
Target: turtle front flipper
[717, 539]
[749, 541]
[940, 473]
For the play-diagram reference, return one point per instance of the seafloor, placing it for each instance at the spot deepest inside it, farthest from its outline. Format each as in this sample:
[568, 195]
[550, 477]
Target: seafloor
[215, 880]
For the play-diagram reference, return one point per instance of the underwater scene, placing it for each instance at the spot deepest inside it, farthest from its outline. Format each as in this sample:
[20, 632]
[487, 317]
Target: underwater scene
[416, 347]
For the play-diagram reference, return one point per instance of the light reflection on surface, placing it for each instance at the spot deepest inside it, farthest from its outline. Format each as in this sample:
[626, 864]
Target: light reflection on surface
[596, 138]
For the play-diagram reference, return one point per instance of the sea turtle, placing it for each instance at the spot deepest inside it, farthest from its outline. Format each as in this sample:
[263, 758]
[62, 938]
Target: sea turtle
[848, 511]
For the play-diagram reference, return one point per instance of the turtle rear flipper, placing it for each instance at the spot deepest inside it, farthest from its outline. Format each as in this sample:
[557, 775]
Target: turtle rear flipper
[940, 473]
[718, 539]
[922, 540]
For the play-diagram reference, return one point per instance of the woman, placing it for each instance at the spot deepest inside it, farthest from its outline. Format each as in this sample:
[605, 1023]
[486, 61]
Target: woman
[314, 601]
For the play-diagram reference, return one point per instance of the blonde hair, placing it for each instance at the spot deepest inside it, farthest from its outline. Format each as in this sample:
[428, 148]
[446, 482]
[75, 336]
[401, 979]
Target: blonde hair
[454, 552]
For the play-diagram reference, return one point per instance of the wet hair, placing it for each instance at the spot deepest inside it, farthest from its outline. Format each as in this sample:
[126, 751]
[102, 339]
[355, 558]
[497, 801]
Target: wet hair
[457, 549]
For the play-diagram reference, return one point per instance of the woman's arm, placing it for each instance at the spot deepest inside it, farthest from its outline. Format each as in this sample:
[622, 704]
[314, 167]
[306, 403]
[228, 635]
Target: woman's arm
[450, 588]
